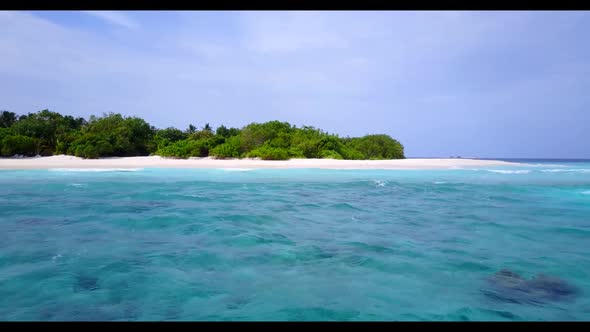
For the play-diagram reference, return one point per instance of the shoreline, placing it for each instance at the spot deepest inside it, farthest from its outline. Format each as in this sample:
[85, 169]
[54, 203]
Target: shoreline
[65, 162]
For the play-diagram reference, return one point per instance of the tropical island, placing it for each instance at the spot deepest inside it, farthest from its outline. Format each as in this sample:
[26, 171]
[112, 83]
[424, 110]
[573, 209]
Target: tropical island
[47, 133]
[50, 140]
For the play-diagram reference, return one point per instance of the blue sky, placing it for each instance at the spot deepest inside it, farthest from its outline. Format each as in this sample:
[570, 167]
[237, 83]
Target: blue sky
[486, 84]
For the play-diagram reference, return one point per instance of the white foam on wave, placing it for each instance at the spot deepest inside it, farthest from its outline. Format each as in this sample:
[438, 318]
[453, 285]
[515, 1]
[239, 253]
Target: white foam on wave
[580, 170]
[508, 171]
[587, 192]
[96, 169]
[439, 182]
[78, 185]
[545, 165]
[380, 183]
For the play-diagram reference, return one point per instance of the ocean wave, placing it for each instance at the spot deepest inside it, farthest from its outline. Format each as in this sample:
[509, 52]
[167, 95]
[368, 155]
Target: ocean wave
[344, 206]
[380, 183]
[545, 165]
[587, 192]
[581, 170]
[507, 171]
[96, 169]
[237, 169]
[193, 195]
[77, 185]
[439, 182]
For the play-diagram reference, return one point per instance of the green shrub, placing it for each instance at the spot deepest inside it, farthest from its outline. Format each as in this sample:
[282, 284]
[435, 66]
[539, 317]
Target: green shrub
[377, 147]
[255, 135]
[330, 154]
[18, 144]
[350, 153]
[295, 153]
[90, 152]
[229, 149]
[198, 148]
[269, 153]
[176, 150]
[185, 149]
[165, 137]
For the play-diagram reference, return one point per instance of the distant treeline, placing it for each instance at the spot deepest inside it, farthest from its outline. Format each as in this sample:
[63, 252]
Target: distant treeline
[49, 133]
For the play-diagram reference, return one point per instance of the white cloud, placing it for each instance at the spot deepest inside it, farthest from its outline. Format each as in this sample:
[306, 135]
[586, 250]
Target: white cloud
[277, 32]
[115, 18]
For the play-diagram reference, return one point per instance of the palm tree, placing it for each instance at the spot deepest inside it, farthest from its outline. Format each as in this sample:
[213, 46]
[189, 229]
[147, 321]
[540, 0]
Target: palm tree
[7, 119]
[191, 129]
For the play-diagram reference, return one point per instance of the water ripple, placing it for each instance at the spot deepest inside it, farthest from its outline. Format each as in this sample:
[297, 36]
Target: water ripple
[287, 245]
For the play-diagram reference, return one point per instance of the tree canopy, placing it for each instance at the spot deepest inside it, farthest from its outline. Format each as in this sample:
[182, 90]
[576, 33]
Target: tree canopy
[48, 133]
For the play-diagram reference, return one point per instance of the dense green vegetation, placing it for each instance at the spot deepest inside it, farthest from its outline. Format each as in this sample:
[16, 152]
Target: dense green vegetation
[47, 133]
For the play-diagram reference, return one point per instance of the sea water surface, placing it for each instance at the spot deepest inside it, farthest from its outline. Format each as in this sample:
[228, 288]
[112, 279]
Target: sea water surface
[300, 244]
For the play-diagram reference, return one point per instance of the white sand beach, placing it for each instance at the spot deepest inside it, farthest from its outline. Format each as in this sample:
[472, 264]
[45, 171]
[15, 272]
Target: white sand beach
[63, 161]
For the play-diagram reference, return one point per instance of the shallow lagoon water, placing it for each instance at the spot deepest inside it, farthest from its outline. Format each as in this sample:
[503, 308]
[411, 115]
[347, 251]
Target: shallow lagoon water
[301, 244]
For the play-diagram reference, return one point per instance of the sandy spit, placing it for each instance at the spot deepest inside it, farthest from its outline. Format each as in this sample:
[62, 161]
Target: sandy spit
[63, 161]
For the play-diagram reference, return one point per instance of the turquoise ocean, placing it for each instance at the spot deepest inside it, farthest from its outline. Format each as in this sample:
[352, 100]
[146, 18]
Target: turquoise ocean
[298, 244]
